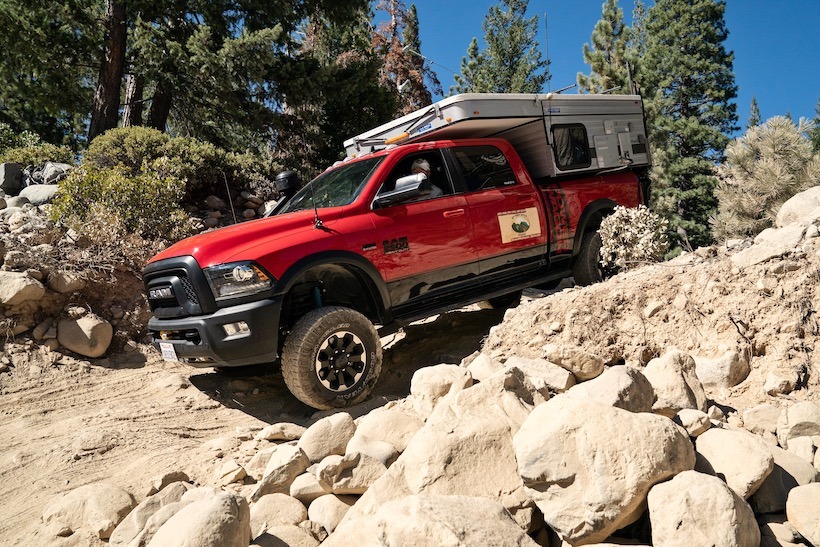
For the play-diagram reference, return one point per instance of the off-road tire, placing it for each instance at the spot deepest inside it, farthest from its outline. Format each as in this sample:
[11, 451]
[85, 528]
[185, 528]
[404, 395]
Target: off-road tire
[338, 343]
[509, 300]
[586, 268]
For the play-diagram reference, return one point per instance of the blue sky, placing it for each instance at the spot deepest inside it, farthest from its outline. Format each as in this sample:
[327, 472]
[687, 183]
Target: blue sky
[776, 45]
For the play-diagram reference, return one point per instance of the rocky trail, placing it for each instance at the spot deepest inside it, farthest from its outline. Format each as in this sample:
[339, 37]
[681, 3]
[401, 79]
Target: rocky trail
[675, 404]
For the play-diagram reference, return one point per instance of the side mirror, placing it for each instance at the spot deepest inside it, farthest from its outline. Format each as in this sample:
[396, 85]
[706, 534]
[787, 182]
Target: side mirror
[407, 187]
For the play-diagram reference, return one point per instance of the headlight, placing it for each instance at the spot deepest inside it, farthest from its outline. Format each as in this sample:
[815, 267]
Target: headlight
[237, 279]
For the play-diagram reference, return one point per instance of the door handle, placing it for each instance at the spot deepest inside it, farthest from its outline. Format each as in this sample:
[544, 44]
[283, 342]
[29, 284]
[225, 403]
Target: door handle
[453, 213]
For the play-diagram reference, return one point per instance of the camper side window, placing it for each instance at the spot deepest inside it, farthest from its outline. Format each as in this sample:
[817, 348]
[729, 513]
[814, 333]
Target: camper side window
[571, 146]
[483, 167]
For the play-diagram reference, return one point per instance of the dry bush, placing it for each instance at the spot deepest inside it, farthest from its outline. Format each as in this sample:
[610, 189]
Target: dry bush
[632, 236]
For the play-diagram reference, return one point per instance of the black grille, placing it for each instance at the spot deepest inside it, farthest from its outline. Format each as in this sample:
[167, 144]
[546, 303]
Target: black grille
[189, 290]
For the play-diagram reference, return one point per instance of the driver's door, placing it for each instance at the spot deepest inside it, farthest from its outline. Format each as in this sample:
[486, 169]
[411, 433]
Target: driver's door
[424, 246]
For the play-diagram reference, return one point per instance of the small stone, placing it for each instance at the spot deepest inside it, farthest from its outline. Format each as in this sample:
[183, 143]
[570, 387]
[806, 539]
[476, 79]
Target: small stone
[249, 213]
[776, 385]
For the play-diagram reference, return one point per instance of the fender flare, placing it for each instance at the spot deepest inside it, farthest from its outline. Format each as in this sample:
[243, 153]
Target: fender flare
[591, 219]
[374, 286]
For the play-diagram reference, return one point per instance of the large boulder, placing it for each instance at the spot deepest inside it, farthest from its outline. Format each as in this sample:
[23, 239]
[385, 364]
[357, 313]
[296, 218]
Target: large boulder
[675, 382]
[588, 466]
[18, 287]
[327, 436]
[88, 335]
[582, 364]
[219, 521]
[11, 178]
[283, 431]
[66, 282]
[770, 243]
[799, 420]
[133, 526]
[741, 458]
[98, 507]
[545, 376]
[802, 207]
[431, 384]
[40, 194]
[789, 471]
[622, 387]
[465, 447]
[802, 511]
[285, 535]
[697, 509]
[329, 510]
[433, 520]
[286, 463]
[352, 473]
[394, 423]
[727, 370]
[276, 510]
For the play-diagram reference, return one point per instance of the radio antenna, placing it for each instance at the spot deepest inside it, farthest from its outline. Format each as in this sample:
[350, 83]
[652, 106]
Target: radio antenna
[547, 50]
[317, 222]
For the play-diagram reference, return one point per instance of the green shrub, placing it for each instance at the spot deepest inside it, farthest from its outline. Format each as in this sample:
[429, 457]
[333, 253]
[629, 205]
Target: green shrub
[254, 172]
[129, 147]
[38, 154]
[200, 164]
[147, 205]
[11, 139]
[632, 236]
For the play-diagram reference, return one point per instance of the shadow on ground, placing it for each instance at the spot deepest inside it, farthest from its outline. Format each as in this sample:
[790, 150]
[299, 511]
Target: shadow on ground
[260, 390]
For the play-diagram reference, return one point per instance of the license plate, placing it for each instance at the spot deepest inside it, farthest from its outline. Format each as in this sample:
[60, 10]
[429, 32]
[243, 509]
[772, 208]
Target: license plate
[168, 351]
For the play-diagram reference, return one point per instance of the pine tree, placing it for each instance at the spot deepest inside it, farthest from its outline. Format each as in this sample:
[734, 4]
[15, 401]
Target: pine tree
[754, 114]
[763, 168]
[403, 67]
[608, 54]
[689, 85]
[511, 62]
[472, 78]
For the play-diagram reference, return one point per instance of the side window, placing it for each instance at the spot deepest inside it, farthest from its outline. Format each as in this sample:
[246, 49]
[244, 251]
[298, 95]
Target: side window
[571, 146]
[483, 167]
[429, 163]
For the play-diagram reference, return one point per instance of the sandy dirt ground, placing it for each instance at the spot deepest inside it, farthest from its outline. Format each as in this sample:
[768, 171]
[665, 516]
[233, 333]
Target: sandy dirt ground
[130, 417]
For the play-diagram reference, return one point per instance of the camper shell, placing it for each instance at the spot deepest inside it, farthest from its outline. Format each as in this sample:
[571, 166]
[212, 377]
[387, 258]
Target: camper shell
[555, 135]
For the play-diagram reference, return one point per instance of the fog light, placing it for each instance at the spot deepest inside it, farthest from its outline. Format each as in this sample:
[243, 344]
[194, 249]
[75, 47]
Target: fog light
[240, 327]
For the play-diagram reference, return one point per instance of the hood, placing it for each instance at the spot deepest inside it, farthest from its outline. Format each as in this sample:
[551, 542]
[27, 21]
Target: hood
[234, 242]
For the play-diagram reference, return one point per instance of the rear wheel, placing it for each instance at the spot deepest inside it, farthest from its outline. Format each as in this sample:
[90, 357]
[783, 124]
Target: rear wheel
[586, 268]
[332, 358]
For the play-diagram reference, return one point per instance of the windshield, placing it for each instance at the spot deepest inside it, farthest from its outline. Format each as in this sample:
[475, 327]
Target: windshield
[332, 188]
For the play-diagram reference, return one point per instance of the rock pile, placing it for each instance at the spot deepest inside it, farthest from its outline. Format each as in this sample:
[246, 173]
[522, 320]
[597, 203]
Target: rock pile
[503, 461]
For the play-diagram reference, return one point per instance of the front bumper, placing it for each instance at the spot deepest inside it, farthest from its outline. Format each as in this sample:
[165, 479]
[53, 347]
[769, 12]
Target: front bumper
[201, 341]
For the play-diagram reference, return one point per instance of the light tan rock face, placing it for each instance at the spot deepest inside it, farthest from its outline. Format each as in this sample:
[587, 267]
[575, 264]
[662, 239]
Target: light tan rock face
[799, 208]
[675, 383]
[726, 370]
[802, 511]
[693, 421]
[799, 420]
[98, 507]
[329, 510]
[132, 527]
[588, 466]
[328, 436]
[431, 384]
[285, 535]
[352, 473]
[697, 509]
[434, 520]
[741, 458]
[582, 364]
[622, 387]
[89, 335]
[286, 463]
[465, 448]
[545, 376]
[220, 521]
[788, 472]
[394, 423]
[18, 287]
[276, 510]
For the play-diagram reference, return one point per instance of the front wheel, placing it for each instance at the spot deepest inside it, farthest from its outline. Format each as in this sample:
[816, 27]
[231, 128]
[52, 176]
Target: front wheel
[332, 358]
[586, 268]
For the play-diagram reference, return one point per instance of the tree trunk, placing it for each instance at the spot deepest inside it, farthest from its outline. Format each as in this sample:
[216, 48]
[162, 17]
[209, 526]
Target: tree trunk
[160, 107]
[106, 107]
[132, 110]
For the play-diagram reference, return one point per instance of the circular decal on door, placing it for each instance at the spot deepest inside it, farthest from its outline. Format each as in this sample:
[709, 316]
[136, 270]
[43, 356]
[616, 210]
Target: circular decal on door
[520, 224]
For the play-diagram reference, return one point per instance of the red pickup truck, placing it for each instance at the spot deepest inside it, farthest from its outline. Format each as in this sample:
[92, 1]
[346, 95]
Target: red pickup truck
[371, 242]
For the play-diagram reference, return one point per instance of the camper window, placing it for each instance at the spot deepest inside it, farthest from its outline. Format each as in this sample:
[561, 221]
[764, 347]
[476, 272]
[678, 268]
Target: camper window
[571, 146]
[483, 167]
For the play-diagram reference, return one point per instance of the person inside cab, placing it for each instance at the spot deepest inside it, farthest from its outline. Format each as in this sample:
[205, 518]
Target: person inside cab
[421, 165]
